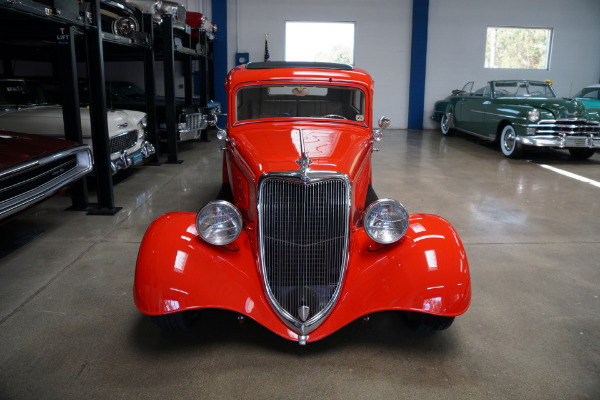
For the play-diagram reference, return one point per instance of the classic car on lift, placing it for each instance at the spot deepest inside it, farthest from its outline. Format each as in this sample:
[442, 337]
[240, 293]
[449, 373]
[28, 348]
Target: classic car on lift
[118, 18]
[33, 167]
[518, 114]
[159, 8]
[32, 106]
[191, 118]
[297, 239]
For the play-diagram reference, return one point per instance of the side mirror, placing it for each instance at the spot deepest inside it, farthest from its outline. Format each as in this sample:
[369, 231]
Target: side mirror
[384, 122]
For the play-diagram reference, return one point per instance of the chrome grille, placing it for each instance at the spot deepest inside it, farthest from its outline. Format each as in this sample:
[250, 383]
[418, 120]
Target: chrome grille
[32, 178]
[123, 141]
[304, 241]
[568, 127]
[195, 121]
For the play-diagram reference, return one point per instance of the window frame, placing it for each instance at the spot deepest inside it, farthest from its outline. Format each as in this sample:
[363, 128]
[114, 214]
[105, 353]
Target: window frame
[549, 43]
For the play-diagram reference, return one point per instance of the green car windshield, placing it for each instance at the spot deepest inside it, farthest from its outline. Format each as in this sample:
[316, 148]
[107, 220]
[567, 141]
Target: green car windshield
[293, 101]
[522, 89]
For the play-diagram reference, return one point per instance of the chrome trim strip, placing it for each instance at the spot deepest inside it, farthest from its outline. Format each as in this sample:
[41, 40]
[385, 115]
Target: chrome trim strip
[19, 169]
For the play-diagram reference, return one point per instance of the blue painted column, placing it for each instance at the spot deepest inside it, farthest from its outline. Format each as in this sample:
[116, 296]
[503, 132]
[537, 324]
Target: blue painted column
[418, 63]
[219, 17]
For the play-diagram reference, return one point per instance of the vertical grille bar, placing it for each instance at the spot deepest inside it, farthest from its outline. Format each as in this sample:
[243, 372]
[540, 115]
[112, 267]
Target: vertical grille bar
[304, 229]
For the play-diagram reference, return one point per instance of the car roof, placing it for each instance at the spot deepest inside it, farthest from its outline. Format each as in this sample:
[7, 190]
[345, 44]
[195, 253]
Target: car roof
[298, 64]
[298, 71]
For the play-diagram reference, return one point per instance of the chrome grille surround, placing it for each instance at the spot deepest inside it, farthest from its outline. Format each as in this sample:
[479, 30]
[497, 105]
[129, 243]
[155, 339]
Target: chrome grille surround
[123, 141]
[304, 228]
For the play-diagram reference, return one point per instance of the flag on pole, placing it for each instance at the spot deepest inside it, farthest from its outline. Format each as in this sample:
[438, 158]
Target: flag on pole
[266, 47]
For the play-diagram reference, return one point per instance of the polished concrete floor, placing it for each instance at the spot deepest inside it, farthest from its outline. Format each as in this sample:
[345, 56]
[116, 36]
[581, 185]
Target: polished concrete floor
[531, 228]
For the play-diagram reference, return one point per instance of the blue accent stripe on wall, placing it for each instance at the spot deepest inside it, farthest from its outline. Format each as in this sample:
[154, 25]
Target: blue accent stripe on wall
[418, 63]
[219, 17]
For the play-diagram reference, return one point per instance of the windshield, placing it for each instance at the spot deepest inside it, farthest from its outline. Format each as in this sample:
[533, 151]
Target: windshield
[589, 93]
[522, 89]
[125, 91]
[279, 101]
[15, 93]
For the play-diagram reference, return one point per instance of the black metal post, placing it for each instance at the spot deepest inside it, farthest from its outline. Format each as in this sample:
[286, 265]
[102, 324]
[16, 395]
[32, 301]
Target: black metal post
[150, 89]
[99, 124]
[67, 73]
[187, 79]
[169, 82]
[203, 81]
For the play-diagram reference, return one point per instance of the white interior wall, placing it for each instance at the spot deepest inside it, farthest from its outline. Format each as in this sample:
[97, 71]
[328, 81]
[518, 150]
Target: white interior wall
[456, 41]
[382, 43]
[456, 44]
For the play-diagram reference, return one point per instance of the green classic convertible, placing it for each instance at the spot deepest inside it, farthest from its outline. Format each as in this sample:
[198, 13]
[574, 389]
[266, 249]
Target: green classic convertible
[517, 114]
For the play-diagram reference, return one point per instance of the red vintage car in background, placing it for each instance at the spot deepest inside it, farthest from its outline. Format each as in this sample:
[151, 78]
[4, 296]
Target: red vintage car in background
[34, 167]
[298, 240]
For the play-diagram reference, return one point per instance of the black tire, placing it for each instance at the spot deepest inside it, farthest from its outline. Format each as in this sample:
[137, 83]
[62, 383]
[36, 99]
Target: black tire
[509, 145]
[445, 125]
[179, 321]
[421, 322]
[581, 153]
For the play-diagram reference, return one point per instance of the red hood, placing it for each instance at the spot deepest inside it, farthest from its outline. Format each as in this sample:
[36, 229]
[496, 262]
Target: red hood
[20, 147]
[276, 146]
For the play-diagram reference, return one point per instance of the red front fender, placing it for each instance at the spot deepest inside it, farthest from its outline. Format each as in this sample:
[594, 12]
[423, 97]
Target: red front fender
[426, 271]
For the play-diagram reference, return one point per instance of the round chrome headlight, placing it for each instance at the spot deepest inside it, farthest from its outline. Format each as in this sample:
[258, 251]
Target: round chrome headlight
[533, 115]
[219, 222]
[386, 221]
[125, 26]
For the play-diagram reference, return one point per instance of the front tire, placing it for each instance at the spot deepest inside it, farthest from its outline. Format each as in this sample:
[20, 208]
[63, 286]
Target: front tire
[581, 154]
[445, 125]
[178, 321]
[421, 322]
[509, 145]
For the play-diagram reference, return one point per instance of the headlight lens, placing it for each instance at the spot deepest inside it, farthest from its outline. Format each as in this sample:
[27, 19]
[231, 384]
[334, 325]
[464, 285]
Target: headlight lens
[125, 26]
[386, 221]
[219, 222]
[533, 115]
[144, 122]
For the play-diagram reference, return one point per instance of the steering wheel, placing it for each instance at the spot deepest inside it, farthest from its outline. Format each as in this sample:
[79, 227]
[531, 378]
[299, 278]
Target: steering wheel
[334, 116]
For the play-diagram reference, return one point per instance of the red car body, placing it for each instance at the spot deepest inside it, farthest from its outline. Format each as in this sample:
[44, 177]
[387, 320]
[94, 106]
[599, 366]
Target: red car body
[425, 273]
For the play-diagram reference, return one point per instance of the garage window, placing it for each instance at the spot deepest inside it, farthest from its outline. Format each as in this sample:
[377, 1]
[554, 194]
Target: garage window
[518, 48]
[319, 41]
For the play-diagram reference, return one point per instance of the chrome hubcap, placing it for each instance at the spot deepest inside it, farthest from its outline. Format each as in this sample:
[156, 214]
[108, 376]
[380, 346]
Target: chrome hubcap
[509, 140]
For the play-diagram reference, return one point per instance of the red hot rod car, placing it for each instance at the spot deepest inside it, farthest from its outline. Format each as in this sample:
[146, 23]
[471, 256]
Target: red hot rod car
[297, 239]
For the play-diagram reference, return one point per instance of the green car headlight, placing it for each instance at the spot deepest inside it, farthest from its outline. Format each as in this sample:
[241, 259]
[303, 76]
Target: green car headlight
[386, 221]
[533, 115]
[219, 222]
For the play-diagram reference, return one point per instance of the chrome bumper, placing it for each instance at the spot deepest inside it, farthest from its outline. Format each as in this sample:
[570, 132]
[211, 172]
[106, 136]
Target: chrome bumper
[191, 126]
[126, 160]
[561, 141]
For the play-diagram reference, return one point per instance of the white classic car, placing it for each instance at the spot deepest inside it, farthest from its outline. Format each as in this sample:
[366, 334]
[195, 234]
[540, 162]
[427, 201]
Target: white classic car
[26, 107]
